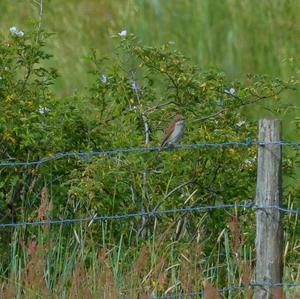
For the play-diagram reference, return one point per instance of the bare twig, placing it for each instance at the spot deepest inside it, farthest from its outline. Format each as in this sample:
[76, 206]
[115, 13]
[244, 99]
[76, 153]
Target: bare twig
[146, 141]
[243, 103]
[30, 64]
[144, 223]
[191, 181]
[142, 112]
[175, 85]
[157, 106]
[39, 4]
[257, 97]
[209, 116]
[177, 219]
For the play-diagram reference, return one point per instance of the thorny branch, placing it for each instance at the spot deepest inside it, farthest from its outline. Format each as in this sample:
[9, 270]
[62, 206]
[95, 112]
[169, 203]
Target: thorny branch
[157, 106]
[29, 65]
[243, 103]
[209, 116]
[143, 113]
[146, 141]
[257, 97]
[175, 85]
[40, 6]
[191, 181]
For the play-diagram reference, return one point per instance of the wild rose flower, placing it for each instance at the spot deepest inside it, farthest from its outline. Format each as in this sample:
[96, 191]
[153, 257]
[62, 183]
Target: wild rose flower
[20, 33]
[123, 33]
[43, 110]
[103, 78]
[134, 85]
[240, 123]
[230, 91]
[14, 30]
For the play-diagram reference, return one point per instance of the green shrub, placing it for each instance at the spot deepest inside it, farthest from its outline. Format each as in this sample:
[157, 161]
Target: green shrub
[137, 87]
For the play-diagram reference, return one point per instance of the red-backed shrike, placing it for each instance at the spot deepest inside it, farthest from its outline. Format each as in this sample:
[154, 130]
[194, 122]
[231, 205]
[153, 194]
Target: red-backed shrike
[174, 131]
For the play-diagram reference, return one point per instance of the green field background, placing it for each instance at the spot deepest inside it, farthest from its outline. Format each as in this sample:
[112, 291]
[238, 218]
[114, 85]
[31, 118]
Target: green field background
[238, 36]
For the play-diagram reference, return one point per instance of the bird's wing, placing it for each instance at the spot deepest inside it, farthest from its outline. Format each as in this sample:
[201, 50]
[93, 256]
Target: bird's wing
[167, 135]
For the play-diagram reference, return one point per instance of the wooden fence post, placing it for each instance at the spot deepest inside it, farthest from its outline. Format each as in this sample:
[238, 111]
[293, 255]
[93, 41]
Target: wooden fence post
[268, 221]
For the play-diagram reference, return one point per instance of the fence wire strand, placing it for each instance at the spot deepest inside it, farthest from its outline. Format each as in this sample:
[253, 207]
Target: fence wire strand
[87, 154]
[154, 213]
[201, 293]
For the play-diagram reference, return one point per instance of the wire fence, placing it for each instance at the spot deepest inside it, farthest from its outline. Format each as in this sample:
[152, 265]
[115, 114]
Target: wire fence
[153, 213]
[249, 205]
[89, 154]
[201, 293]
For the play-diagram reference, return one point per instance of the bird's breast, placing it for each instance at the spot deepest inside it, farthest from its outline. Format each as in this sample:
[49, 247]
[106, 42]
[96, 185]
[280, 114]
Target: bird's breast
[178, 131]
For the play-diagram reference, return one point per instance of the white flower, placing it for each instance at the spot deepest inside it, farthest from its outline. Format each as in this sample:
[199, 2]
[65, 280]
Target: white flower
[132, 108]
[13, 29]
[103, 78]
[249, 161]
[20, 33]
[123, 33]
[43, 110]
[240, 123]
[134, 85]
[231, 91]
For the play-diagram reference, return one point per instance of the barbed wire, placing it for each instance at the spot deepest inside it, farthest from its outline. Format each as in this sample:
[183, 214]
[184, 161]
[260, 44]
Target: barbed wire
[275, 284]
[232, 288]
[154, 213]
[88, 154]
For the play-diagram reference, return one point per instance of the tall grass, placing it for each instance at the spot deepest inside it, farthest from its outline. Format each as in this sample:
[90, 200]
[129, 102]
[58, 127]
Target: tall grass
[88, 261]
[71, 261]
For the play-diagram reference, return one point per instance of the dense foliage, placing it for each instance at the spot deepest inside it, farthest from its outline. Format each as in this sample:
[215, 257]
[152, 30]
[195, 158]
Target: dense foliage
[135, 94]
[136, 88]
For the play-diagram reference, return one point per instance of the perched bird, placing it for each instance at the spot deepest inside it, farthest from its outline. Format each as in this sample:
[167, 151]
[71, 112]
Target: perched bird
[173, 132]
